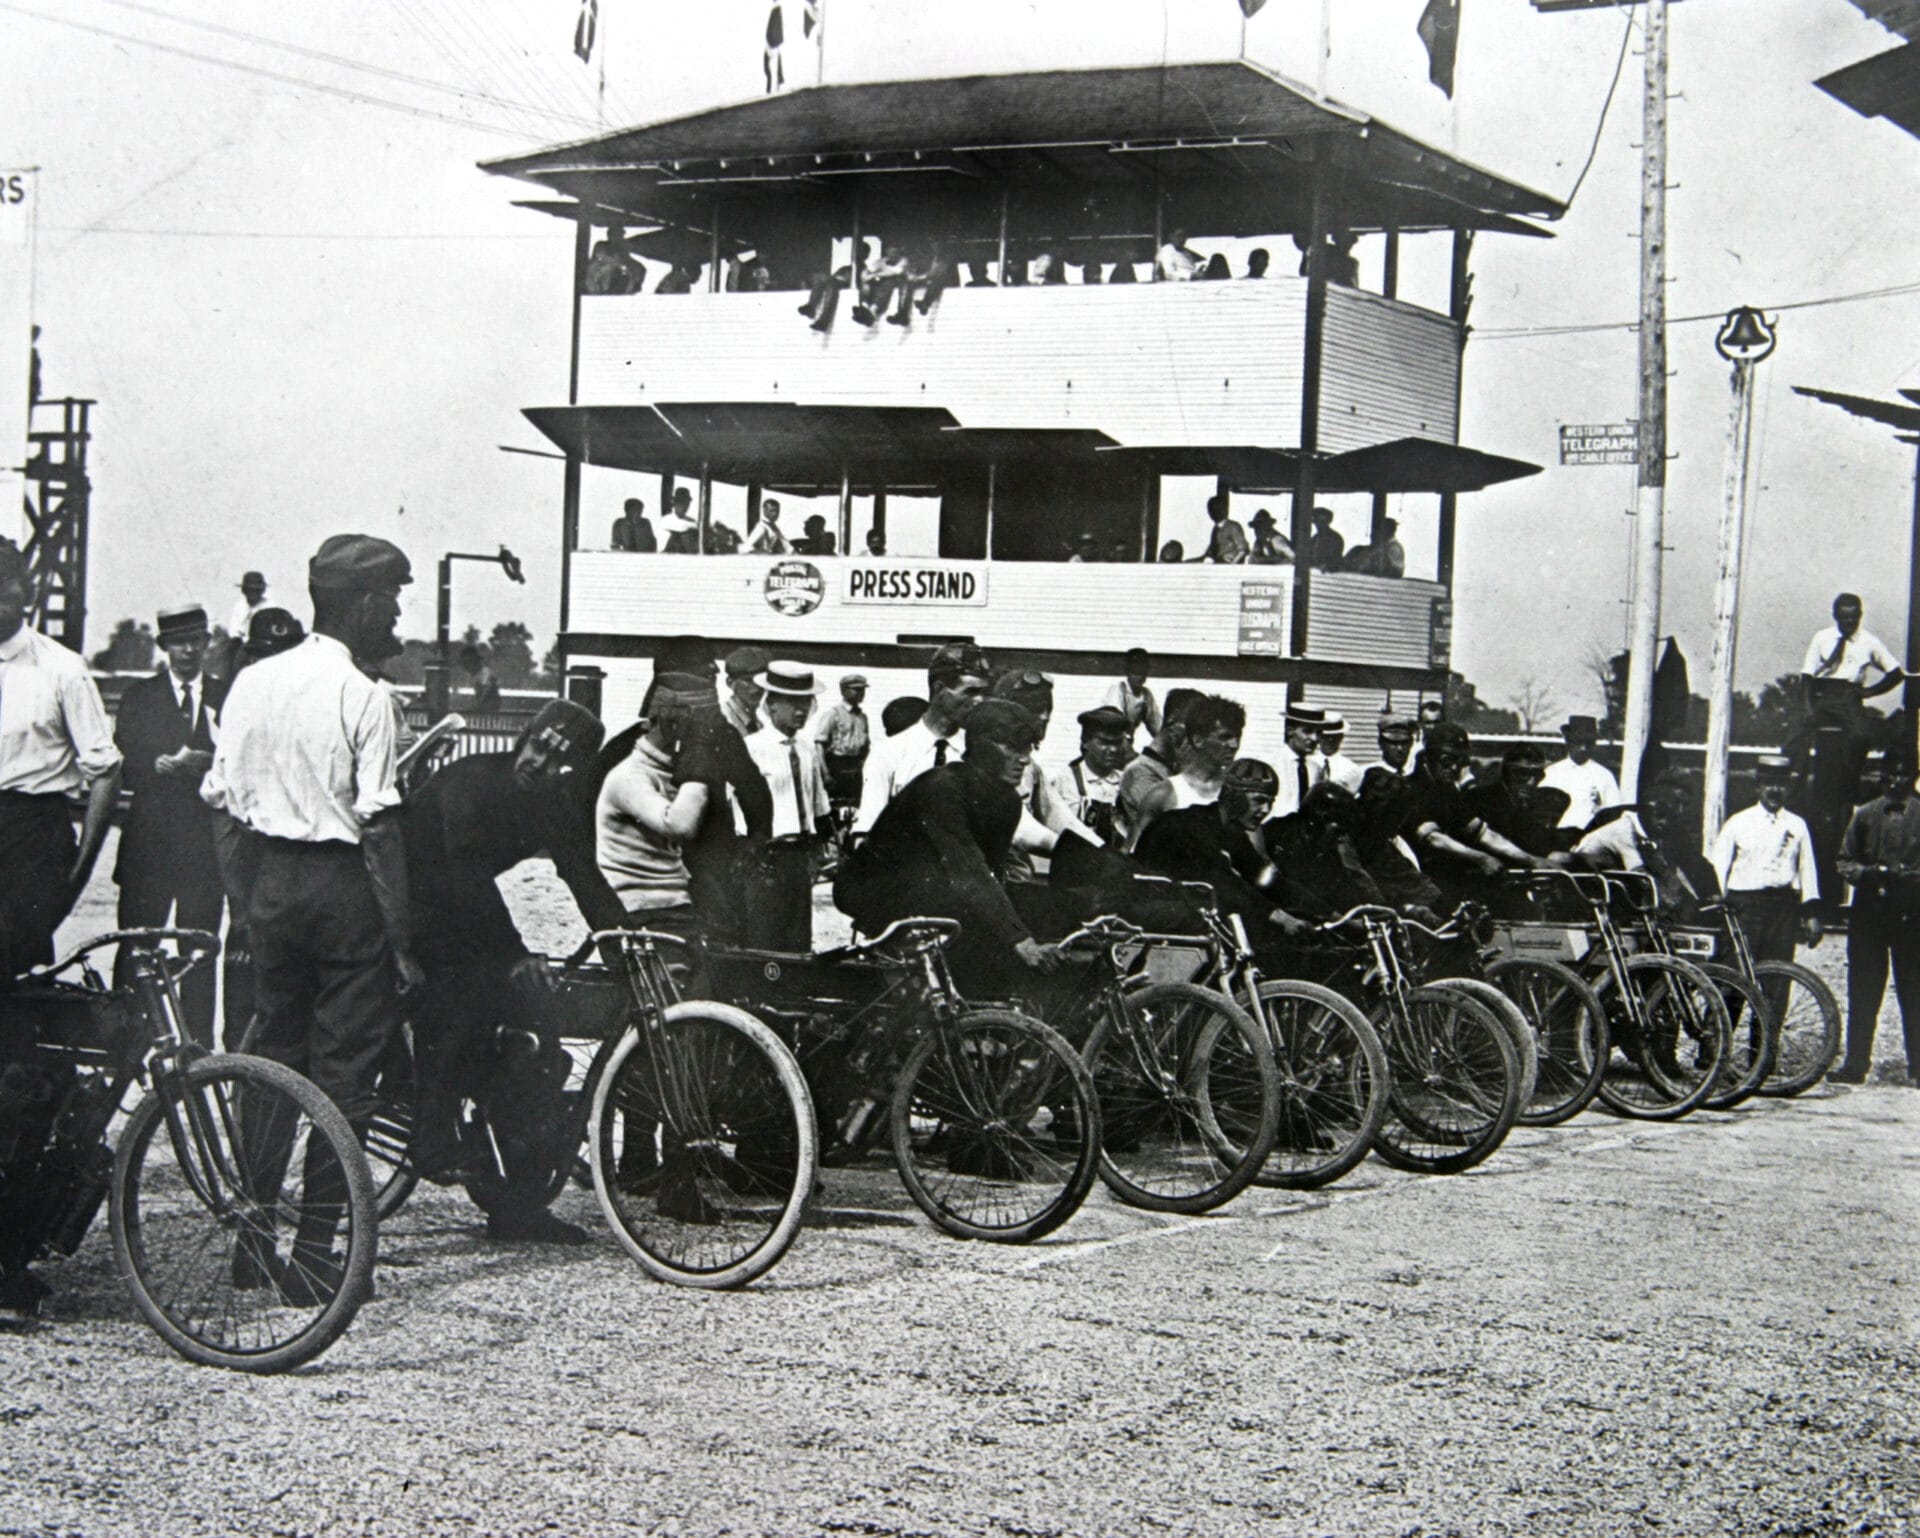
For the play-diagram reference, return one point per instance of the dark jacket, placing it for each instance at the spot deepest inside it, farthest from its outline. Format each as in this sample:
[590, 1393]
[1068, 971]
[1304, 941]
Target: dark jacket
[169, 830]
[939, 849]
[470, 823]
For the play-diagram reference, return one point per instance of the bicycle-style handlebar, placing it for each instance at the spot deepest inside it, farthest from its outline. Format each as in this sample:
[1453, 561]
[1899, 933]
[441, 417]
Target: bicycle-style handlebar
[200, 941]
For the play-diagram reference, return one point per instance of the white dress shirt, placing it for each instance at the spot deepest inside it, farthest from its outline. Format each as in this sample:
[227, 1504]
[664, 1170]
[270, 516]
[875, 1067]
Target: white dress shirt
[54, 733]
[200, 710]
[1176, 264]
[307, 747]
[1759, 850]
[768, 540]
[1589, 787]
[1286, 799]
[1343, 771]
[1828, 656]
[894, 762]
[775, 755]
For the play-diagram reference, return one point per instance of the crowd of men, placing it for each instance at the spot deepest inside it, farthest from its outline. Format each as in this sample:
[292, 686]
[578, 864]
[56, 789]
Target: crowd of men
[272, 798]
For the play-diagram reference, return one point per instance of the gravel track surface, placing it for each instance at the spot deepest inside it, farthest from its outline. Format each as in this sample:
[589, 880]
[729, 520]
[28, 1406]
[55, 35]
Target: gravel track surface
[1708, 1327]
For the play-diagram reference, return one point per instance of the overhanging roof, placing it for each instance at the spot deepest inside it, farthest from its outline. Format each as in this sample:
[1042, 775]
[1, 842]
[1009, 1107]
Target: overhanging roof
[794, 446]
[1117, 129]
[1888, 84]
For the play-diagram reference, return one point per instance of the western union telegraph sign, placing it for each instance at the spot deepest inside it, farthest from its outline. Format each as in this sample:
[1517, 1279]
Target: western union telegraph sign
[1606, 443]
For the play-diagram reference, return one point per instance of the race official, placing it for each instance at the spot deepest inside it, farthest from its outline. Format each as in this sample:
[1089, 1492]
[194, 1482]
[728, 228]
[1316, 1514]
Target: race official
[1880, 856]
[1300, 765]
[1764, 860]
[958, 678]
[845, 736]
[802, 811]
[54, 740]
[304, 773]
[166, 729]
[1589, 784]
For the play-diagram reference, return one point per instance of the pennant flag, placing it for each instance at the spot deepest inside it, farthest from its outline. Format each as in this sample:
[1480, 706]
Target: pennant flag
[1248, 8]
[584, 30]
[773, 63]
[1440, 32]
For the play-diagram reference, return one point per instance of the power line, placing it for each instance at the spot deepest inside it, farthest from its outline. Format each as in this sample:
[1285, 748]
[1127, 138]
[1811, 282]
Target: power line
[340, 60]
[1626, 36]
[1510, 333]
[297, 81]
[96, 229]
[439, 39]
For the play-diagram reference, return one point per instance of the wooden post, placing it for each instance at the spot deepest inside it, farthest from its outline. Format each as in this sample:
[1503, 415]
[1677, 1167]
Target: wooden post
[1302, 521]
[846, 507]
[1726, 603]
[1150, 516]
[993, 479]
[713, 250]
[1001, 274]
[1650, 499]
[753, 505]
[1910, 691]
[1390, 272]
[582, 239]
[704, 507]
[570, 484]
[879, 514]
[1459, 302]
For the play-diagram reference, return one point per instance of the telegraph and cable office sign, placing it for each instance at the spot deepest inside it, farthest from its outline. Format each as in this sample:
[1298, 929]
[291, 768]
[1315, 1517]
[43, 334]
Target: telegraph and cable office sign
[1603, 443]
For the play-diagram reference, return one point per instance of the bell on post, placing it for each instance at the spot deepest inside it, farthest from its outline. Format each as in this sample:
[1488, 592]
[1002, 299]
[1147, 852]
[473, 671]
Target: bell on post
[1745, 336]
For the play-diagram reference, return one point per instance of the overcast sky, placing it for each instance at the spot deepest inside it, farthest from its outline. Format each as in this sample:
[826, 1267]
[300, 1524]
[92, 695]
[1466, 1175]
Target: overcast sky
[304, 312]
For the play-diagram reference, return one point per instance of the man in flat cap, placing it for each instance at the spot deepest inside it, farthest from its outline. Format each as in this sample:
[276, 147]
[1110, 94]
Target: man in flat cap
[167, 869]
[845, 736]
[54, 738]
[474, 820]
[741, 703]
[311, 849]
[1090, 785]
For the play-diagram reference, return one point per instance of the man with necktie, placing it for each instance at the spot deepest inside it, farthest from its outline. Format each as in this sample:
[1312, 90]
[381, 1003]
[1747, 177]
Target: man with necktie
[166, 730]
[1300, 765]
[958, 678]
[802, 813]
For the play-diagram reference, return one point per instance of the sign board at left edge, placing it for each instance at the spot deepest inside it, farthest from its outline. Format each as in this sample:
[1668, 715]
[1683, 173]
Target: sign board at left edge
[18, 190]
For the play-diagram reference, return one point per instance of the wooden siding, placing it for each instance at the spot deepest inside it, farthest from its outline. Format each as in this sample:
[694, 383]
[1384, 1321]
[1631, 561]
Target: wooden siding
[1194, 364]
[1391, 370]
[1351, 618]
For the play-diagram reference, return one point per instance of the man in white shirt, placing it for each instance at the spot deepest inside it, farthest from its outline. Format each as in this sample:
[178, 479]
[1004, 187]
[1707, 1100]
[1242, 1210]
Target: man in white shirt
[54, 738]
[1835, 691]
[958, 678]
[802, 812]
[1589, 785]
[1090, 785]
[312, 852]
[253, 595]
[1174, 262]
[1844, 652]
[1299, 764]
[1764, 859]
[1132, 698]
[1335, 765]
[768, 538]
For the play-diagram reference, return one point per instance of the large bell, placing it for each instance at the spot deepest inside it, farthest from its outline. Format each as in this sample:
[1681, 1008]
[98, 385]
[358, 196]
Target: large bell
[1745, 336]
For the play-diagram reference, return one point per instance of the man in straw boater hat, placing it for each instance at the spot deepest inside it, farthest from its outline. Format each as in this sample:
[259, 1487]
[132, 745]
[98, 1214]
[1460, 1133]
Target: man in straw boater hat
[1588, 783]
[802, 811]
[311, 850]
[54, 738]
[474, 820]
[166, 867]
[1299, 765]
[1764, 859]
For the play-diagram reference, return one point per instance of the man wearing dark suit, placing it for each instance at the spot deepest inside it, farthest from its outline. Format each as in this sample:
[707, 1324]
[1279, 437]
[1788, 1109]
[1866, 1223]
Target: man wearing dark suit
[165, 733]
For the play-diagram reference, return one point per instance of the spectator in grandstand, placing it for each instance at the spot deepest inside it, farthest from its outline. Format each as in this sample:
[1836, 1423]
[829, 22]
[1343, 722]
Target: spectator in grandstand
[1132, 698]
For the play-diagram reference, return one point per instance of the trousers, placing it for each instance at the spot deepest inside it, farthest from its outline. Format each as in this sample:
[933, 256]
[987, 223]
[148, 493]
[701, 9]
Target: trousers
[37, 850]
[146, 903]
[1771, 919]
[1881, 937]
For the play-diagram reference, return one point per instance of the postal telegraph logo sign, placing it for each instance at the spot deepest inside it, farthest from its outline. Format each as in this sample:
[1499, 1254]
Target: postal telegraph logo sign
[795, 588]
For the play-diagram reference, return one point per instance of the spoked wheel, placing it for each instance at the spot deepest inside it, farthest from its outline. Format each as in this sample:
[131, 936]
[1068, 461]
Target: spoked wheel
[1509, 1014]
[1664, 1063]
[1570, 1032]
[1753, 1038]
[528, 1158]
[996, 1127]
[1333, 1079]
[232, 1186]
[1188, 1098]
[703, 1145]
[389, 1136]
[1809, 1035]
[1455, 1087]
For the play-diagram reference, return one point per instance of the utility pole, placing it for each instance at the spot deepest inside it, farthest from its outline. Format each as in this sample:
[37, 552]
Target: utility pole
[1650, 491]
[1744, 340]
[1650, 494]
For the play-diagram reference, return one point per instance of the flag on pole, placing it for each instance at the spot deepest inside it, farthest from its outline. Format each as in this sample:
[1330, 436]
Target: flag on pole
[773, 63]
[1440, 31]
[584, 29]
[1249, 7]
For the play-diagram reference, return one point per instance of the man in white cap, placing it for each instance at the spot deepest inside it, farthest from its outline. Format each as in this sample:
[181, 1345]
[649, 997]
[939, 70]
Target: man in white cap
[1299, 763]
[1335, 765]
[802, 812]
[1589, 784]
